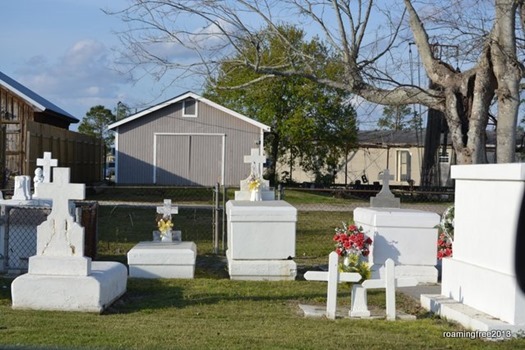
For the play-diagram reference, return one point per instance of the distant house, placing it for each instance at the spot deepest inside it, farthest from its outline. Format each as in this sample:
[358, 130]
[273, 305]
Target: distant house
[403, 153]
[185, 141]
[31, 125]
[399, 151]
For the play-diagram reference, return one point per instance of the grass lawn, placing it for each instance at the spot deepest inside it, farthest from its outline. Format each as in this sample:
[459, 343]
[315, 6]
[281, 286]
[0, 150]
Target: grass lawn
[209, 313]
[212, 311]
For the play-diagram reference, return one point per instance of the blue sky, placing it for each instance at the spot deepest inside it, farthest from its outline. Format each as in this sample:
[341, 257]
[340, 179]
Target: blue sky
[65, 50]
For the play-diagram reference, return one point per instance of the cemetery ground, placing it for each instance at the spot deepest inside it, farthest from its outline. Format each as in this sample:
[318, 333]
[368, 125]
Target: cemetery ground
[212, 311]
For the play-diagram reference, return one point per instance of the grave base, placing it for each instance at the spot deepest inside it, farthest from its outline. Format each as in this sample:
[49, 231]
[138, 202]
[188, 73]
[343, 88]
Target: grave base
[93, 293]
[474, 285]
[422, 273]
[469, 317]
[162, 260]
[262, 270]
[317, 311]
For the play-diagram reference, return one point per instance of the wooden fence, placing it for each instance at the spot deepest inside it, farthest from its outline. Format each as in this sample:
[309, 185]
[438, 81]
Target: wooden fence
[85, 155]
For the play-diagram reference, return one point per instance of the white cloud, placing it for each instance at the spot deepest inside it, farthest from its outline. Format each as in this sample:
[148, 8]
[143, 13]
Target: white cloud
[84, 74]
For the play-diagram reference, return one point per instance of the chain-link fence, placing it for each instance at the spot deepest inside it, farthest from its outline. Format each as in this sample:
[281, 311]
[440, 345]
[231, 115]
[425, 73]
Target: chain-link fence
[119, 217]
[18, 228]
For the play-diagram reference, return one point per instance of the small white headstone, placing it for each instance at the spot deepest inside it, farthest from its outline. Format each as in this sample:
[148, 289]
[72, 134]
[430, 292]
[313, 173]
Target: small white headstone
[47, 163]
[333, 277]
[385, 198]
[22, 189]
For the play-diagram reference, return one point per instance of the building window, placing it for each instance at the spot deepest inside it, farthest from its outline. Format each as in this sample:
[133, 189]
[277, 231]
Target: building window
[189, 108]
[403, 166]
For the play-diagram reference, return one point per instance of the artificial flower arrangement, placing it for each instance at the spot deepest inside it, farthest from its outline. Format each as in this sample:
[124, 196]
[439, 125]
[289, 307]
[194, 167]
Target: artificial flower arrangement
[352, 244]
[446, 234]
[254, 182]
[164, 225]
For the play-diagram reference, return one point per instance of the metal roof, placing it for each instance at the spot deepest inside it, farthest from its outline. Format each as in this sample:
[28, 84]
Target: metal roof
[40, 103]
[181, 98]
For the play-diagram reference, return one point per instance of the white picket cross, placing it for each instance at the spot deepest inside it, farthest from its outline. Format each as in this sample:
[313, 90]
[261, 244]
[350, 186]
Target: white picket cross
[389, 283]
[333, 277]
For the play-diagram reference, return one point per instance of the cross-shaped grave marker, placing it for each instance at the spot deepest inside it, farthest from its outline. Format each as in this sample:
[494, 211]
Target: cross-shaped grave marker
[386, 177]
[47, 162]
[166, 210]
[385, 198]
[256, 160]
[333, 277]
[389, 283]
[59, 235]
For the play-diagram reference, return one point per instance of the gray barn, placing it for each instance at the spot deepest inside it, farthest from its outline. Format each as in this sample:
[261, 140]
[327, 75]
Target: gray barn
[186, 141]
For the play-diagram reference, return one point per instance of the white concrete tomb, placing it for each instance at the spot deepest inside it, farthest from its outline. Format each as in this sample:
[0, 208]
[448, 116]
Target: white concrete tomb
[60, 277]
[261, 240]
[406, 236]
[479, 288]
[162, 260]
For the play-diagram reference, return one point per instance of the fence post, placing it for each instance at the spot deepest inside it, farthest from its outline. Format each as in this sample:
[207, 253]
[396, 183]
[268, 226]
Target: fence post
[223, 220]
[216, 209]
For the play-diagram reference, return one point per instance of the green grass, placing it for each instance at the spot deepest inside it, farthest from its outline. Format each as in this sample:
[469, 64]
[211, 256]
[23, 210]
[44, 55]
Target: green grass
[218, 313]
[212, 311]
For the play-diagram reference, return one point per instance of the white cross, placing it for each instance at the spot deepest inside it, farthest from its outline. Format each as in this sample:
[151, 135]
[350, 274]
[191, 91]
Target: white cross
[61, 191]
[386, 177]
[256, 160]
[47, 162]
[389, 283]
[333, 277]
[166, 210]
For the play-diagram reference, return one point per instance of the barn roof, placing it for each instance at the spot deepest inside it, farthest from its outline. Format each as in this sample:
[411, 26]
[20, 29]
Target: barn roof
[40, 103]
[181, 98]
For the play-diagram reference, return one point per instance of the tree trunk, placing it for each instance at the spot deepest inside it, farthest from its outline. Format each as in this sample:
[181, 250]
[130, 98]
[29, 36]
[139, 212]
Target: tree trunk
[508, 75]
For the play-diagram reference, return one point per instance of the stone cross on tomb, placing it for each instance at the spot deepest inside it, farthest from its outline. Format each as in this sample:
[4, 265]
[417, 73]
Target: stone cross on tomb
[47, 162]
[256, 160]
[59, 235]
[389, 283]
[386, 177]
[385, 198]
[333, 277]
[166, 210]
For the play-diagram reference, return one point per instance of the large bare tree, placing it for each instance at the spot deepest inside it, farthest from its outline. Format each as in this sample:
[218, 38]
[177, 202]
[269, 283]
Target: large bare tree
[194, 37]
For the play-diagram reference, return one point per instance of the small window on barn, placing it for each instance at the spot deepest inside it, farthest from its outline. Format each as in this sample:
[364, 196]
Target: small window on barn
[189, 108]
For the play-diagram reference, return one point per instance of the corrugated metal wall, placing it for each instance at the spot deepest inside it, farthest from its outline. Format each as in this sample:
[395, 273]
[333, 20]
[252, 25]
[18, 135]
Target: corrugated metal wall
[194, 158]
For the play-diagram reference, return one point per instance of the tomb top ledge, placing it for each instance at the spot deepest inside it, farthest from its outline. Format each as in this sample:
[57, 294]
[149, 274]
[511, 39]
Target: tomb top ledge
[495, 172]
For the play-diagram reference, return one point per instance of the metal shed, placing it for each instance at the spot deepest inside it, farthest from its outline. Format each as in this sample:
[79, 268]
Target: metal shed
[185, 141]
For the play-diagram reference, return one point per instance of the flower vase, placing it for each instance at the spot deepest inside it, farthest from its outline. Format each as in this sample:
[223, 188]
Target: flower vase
[255, 195]
[167, 237]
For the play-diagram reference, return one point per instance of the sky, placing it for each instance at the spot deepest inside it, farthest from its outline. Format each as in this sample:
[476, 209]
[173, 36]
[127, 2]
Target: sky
[65, 51]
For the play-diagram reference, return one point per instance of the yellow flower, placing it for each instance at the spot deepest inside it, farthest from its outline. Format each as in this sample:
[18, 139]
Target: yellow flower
[254, 184]
[164, 225]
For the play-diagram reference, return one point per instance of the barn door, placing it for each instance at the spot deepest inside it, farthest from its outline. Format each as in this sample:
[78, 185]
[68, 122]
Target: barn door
[188, 160]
